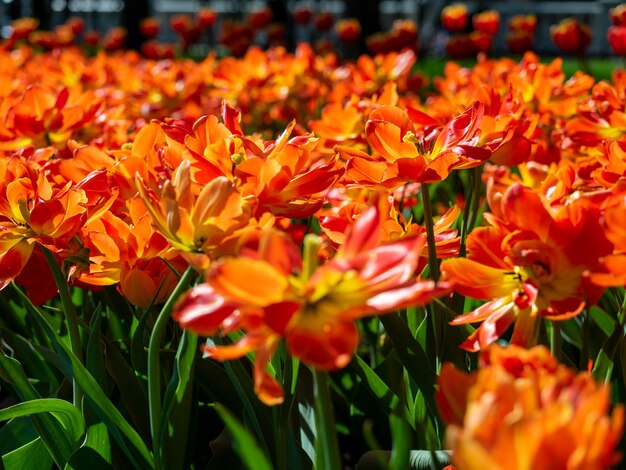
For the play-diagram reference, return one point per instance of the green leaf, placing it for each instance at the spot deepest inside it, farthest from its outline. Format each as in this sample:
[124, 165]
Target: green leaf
[95, 453]
[418, 460]
[177, 404]
[51, 431]
[71, 367]
[16, 433]
[413, 358]
[67, 414]
[132, 390]
[245, 444]
[603, 367]
[400, 437]
[139, 345]
[32, 361]
[94, 353]
[31, 456]
[386, 398]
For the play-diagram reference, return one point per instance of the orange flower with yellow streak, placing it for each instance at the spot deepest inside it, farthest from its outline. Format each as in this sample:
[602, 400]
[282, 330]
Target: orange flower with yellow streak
[526, 265]
[33, 210]
[127, 251]
[192, 218]
[524, 411]
[266, 293]
[44, 117]
[404, 154]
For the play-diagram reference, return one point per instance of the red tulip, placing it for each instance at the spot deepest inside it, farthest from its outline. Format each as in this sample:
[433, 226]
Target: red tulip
[348, 30]
[519, 42]
[571, 36]
[302, 15]
[454, 17]
[526, 23]
[617, 39]
[206, 17]
[149, 27]
[323, 21]
[618, 15]
[487, 22]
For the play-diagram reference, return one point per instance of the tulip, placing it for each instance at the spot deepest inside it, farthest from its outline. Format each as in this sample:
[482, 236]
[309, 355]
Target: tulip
[260, 19]
[454, 17]
[22, 27]
[618, 15]
[206, 17]
[617, 39]
[348, 30]
[149, 27]
[571, 36]
[519, 42]
[526, 23]
[487, 22]
[302, 16]
[323, 21]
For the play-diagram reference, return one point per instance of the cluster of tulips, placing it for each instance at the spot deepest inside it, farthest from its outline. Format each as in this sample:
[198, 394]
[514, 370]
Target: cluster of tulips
[292, 210]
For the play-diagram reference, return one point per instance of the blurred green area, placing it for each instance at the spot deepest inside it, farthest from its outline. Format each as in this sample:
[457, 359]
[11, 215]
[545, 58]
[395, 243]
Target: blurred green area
[600, 68]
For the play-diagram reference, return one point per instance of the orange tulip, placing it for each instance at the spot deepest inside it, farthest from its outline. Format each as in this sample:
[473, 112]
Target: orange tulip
[406, 154]
[268, 294]
[130, 254]
[528, 264]
[33, 210]
[524, 411]
[195, 219]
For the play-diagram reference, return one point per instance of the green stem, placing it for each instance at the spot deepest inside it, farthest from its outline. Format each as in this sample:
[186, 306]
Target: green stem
[429, 225]
[154, 372]
[471, 209]
[70, 316]
[436, 320]
[584, 350]
[555, 340]
[326, 444]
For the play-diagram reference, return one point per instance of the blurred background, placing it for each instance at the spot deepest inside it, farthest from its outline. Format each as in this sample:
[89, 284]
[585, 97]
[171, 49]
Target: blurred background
[374, 16]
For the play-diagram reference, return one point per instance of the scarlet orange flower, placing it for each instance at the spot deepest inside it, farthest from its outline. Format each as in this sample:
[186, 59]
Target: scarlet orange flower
[33, 210]
[267, 293]
[48, 117]
[524, 411]
[528, 265]
[130, 254]
[22, 27]
[406, 154]
[195, 219]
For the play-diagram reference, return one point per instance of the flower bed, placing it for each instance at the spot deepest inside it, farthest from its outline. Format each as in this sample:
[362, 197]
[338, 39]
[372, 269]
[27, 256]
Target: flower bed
[352, 264]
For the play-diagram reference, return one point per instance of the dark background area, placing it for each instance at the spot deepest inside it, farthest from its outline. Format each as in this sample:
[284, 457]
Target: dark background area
[374, 15]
